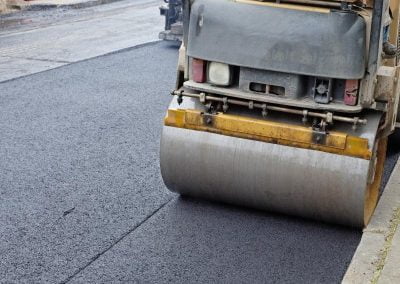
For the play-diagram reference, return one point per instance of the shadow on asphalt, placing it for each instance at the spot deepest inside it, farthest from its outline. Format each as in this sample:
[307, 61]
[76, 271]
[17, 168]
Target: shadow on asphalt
[229, 243]
[171, 44]
[196, 241]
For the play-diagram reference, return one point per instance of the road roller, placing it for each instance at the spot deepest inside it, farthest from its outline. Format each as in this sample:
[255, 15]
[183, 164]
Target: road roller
[284, 106]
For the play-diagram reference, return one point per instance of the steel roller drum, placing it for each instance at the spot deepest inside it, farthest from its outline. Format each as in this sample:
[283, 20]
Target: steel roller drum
[278, 178]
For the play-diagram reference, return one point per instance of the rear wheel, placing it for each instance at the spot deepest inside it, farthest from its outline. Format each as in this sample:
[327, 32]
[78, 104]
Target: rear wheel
[372, 193]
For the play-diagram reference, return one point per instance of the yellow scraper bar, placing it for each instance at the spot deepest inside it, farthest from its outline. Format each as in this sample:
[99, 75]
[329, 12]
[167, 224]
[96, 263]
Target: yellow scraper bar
[268, 131]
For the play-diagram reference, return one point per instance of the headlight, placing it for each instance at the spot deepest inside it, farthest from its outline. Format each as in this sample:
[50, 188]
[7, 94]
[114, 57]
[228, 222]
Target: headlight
[219, 74]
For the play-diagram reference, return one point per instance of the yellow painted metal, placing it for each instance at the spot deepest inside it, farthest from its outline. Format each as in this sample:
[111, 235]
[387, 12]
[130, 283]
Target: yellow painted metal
[268, 131]
[394, 29]
[372, 193]
[285, 6]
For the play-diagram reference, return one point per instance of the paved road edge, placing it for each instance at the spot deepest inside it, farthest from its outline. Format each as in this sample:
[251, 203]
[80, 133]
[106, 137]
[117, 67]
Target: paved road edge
[32, 6]
[377, 256]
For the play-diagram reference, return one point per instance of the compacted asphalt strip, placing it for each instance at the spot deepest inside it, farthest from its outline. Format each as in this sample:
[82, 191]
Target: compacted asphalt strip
[82, 199]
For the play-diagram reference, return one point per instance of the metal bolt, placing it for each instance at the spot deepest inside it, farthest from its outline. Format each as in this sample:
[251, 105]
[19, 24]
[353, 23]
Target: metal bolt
[251, 104]
[264, 112]
[180, 100]
[225, 105]
[322, 89]
[305, 118]
[202, 98]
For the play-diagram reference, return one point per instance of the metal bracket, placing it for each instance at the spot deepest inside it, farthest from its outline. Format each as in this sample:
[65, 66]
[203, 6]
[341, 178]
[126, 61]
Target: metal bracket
[322, 90]
[207, 119]
[319, 133]
[225, 104]
[319, 137]
[264, 111]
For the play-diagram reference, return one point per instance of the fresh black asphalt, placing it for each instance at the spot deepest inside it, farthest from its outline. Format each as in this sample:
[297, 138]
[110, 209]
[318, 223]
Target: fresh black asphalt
[82, 200]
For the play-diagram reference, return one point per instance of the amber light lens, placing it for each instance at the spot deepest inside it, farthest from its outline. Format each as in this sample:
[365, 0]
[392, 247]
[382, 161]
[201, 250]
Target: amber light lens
[199, 70]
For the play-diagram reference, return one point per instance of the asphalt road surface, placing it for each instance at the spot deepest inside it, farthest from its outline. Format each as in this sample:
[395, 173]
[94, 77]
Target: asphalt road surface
[82, 199]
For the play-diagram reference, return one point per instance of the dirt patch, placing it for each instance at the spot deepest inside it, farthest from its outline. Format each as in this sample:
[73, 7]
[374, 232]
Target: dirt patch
[3, 6]
[9, 6]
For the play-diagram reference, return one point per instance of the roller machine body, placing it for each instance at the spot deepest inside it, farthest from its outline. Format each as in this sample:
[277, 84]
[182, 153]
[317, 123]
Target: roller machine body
[284, 107]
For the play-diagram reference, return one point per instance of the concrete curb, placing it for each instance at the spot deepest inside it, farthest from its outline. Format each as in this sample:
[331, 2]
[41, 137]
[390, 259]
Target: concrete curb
[378, 249]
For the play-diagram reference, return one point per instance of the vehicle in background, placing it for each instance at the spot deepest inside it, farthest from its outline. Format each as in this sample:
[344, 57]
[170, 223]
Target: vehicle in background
[173, 30]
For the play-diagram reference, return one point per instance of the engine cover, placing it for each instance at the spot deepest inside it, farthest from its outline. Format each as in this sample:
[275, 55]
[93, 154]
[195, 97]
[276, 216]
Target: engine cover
[328, 44]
